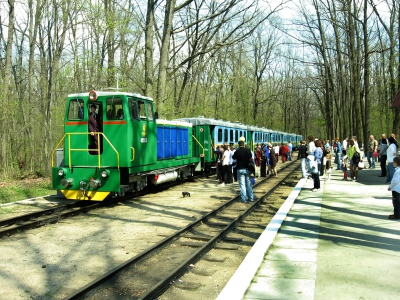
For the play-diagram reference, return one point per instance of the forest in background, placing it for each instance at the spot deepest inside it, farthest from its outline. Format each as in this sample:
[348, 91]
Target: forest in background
[322, 67]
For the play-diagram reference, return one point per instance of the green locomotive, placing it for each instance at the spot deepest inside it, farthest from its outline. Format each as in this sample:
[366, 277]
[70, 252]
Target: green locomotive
[114, 143]
[128, 149]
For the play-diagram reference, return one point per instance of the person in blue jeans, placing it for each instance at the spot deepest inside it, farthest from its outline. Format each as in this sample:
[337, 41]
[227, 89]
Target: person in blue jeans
[338, 151]
[318, 158]
[289, 154]
[243, 157]
[391, 154]
[303, 157]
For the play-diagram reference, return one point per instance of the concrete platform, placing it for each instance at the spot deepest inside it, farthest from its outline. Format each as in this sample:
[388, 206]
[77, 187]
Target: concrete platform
[334, 244]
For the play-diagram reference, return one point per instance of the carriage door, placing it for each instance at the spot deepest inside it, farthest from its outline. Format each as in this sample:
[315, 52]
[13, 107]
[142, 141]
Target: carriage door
[95, 126]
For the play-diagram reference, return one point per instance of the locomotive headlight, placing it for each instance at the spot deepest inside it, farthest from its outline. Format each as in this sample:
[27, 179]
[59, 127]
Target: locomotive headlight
[66, 182]
[94, 183]
[60, 172]
[105, 173]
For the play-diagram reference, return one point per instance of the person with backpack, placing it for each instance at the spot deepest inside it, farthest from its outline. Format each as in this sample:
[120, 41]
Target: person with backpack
[354, 154]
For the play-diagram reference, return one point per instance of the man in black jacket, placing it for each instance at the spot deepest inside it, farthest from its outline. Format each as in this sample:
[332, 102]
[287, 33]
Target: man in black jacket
[303, 156]
[243, 157]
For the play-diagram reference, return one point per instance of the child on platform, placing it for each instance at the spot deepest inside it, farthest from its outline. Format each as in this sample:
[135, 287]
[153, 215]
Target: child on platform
[395, 188]
[328, 166]
[345, 161]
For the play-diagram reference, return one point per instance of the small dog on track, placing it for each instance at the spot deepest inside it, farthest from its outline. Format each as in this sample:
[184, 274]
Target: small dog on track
[184, 194]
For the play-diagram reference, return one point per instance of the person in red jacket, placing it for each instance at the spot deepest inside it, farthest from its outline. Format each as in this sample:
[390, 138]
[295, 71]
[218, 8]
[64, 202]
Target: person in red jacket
[284, 150]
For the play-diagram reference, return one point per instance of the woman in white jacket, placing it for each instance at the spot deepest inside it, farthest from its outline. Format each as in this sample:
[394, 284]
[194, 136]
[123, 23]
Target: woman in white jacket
[311, 144]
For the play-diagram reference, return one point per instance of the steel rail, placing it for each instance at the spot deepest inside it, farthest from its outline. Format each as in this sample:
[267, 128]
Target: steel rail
[30, 222]
[33, 215]
[83, 291]
[164, 284]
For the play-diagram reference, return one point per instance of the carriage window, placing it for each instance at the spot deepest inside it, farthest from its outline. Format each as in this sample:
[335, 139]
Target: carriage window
[149, 111]
[231, 136]
[75, 111]
[225, 135]
[219, 135]
[114, 109]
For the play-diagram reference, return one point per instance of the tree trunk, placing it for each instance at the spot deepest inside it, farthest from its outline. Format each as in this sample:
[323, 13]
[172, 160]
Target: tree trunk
[164, 52]
[148, 61]
[4, 137]
[367, 104]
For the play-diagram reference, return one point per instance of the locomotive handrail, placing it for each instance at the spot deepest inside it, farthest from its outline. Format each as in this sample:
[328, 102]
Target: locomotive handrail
[198, 143]
[133, 154]
[83, 149]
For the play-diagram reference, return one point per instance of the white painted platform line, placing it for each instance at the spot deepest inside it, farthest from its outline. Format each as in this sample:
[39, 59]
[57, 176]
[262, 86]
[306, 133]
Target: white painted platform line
[240, 281]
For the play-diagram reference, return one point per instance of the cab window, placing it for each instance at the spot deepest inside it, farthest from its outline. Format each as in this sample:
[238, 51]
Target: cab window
[142, 112]
[134, 109]
[114, 109]
[76, 111]
[149, 111]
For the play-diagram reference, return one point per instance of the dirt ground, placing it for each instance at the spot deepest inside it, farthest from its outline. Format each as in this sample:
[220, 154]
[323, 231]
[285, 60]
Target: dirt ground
[53, 261]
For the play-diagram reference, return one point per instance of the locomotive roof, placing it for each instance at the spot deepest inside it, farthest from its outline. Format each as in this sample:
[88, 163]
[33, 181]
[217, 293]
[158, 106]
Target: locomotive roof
[112, 93]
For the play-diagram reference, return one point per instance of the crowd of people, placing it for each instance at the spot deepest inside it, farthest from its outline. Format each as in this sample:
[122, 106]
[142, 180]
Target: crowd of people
[316, 159]
[233, 163]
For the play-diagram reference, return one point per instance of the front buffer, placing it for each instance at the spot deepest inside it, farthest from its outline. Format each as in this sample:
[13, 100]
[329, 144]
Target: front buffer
[86, 183]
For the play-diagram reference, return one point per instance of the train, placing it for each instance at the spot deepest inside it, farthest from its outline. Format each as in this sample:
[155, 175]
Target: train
[132, 148]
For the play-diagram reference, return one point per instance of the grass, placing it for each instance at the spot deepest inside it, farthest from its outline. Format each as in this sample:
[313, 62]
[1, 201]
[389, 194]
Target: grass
[16, 190]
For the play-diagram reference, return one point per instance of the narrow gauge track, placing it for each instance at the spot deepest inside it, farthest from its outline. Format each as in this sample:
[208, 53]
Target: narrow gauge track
[150, 273]
[37, 219]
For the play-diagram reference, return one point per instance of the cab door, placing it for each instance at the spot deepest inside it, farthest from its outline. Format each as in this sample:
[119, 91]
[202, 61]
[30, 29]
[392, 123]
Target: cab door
[144, 139]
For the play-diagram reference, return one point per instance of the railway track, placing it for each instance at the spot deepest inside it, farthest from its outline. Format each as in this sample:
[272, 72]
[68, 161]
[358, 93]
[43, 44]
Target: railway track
[40, 218]
[150, 273]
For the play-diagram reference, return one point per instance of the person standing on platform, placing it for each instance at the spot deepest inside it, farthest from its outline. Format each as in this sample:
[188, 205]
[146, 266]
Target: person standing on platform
[328, 166]
[311, 144]
[243, 157]
[272, 160]
[345, 163]
[344, 144]
[263, 162]
[233, 164]
[395, 188]
[354, 154]
[290, 152]
[258, 159]
[317, 153]
[338, 151]
[302, 156]
[225, 165]
[372, 147]
[395, 141]
[383, 156]
[391, 154]
[276, 149]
